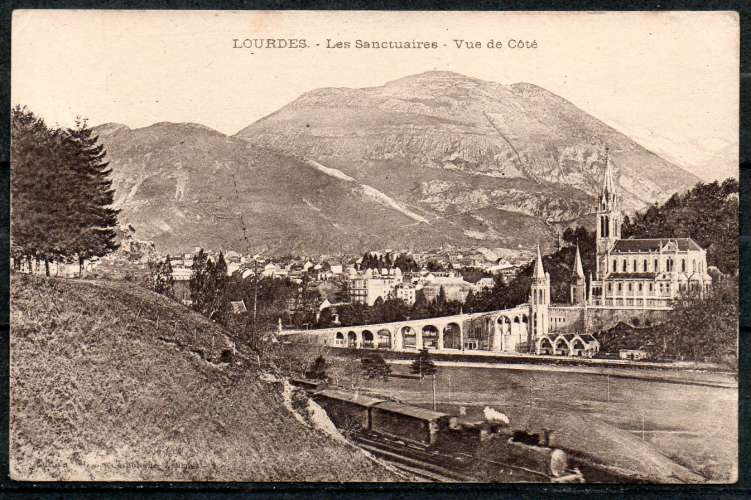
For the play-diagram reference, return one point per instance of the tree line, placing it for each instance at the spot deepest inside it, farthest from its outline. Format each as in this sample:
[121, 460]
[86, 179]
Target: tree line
[708, 213]
[405, 262]
[61, 193]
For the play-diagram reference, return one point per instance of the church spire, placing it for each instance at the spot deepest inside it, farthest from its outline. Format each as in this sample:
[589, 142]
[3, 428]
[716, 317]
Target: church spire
[608, 184]
[539, 271]
[578, 268]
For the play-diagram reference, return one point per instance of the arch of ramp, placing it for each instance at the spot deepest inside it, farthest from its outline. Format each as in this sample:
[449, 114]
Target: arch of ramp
[383, 339]
[452, 336]
[429, 337]
[351, 339]
[561, 344]
[504, 323]
[339, 339]
[546, 345]
[367, 339]
[409, 337]
[577, 344]
[478, 336]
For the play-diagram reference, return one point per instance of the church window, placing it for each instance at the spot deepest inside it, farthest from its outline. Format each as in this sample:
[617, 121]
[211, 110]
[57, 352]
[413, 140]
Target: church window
[683, 265]
[657, 266]
[625, 264]
[629, 287]
[620, 287]
[635, 269]
[651, 287]
[610, 287]
[615, 265]
[645, 265]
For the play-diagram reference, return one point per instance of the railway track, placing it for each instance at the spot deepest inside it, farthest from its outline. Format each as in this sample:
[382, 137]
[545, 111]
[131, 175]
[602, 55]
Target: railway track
[414, 461]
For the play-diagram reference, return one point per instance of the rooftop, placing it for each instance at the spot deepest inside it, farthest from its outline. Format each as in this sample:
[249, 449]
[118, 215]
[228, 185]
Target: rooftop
[653, 245]
[631, 276]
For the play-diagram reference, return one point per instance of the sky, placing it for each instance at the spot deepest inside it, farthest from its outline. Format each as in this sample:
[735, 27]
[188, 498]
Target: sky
[669, 80]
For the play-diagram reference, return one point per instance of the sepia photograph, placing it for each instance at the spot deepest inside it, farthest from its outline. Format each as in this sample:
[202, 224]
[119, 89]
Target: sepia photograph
[379, 247]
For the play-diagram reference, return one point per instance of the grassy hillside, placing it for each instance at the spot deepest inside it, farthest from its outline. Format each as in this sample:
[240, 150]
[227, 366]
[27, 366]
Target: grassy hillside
[112, 382]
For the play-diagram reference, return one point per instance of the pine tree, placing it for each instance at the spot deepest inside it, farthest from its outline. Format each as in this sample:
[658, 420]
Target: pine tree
[219, 305]
[38, 188]
[423, 365]
[90, 197]
[160, 277]
[199, 280]
[374, 366]
[317, 370]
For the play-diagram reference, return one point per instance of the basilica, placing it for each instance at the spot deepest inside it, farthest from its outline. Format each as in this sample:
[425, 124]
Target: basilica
[637, 272]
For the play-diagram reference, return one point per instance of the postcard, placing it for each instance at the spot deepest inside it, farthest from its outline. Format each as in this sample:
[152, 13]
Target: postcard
[349, 246]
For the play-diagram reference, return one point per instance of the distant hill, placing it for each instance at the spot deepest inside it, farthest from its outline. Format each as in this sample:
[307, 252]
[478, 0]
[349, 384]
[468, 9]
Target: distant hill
[427, 160]
[175, 183]
[440, 122]
[112, 382]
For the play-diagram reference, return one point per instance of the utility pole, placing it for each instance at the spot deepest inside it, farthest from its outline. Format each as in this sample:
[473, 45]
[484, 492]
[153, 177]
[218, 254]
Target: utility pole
[608, 379]
[434, 391]
[255, 261]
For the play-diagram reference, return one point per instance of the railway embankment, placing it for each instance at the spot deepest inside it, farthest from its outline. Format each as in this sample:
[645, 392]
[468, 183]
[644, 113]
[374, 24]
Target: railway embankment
[109, 381]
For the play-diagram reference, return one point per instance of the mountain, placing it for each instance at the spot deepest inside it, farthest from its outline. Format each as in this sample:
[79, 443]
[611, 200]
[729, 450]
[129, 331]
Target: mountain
[513, 137]
[711, 158]
[428, 160]
[185, 185]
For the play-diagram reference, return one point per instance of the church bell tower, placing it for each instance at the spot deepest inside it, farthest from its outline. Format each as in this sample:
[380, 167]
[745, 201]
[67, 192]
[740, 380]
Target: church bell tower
[578, 282]
[539, 302]
[608, 219]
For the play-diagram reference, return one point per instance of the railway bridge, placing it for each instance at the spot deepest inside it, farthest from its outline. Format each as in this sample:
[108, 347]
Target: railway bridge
[503, 330]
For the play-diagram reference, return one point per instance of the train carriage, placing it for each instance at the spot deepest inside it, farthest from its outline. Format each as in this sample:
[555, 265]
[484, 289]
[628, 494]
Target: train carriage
[346, 410]
[407, 422]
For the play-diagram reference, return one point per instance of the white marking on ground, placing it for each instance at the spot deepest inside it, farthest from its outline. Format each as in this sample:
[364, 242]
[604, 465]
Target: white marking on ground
[368, 191]
[311, 205]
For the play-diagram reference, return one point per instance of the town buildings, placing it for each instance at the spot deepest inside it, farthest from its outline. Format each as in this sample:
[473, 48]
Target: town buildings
[635, 279]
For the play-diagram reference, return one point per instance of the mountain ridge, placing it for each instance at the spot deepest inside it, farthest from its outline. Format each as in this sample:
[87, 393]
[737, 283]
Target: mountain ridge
[422, 161]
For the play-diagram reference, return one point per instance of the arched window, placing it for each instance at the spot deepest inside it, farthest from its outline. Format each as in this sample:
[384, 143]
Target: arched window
[657, 266]
[645, 265]
[683, 265]
[625, 264]
[615, 265]
[635, 268]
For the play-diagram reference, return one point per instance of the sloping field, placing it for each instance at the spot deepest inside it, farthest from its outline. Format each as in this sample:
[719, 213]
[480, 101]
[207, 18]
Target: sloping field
[112, 382]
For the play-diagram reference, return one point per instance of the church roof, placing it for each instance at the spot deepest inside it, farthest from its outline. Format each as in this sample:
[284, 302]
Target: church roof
[653, 245]
[631, 276]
